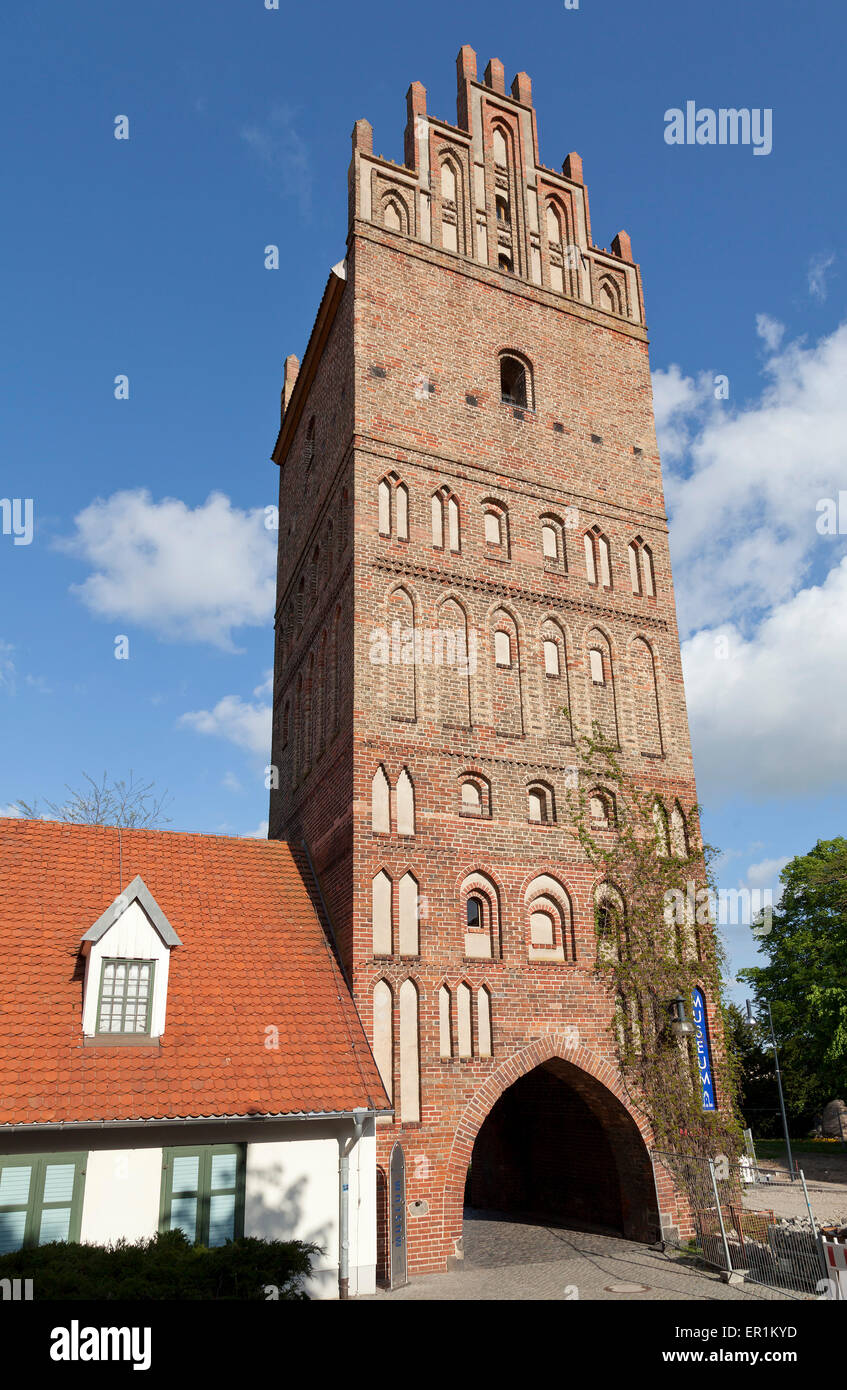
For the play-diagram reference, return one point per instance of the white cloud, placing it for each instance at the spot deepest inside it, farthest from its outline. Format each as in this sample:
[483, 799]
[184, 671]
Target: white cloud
[242, 722]
[766, 873]
[771, 331]
[8, 670]
[743, 514]
[188, 574]
[281, 149]
[231, 782]
[818, 267]
[260, 833]
[769, 718]
[678, 403]
[11, 812]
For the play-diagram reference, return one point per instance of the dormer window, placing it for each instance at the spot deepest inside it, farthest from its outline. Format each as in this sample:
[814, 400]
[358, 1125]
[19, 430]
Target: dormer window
[127, 958]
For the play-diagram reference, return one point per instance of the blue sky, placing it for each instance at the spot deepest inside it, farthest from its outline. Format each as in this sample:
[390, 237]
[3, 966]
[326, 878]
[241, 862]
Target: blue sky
[145, 257]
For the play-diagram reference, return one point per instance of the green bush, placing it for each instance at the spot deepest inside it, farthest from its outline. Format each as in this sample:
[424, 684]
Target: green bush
[166, 1267]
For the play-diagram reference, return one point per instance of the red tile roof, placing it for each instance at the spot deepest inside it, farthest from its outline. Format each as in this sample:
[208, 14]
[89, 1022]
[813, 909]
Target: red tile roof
[253, 956]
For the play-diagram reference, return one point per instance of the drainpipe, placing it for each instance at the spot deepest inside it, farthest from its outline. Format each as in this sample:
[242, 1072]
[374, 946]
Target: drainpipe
[347, 1147]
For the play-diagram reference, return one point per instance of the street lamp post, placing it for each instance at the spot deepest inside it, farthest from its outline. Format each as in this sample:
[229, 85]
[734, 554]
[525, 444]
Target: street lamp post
[779, 1085]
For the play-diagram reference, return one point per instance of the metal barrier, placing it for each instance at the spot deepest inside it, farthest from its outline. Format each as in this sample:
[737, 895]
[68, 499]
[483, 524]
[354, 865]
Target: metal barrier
[754, 1222]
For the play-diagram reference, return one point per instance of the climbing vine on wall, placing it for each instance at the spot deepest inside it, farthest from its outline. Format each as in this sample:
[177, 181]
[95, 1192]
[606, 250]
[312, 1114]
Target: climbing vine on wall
[656, 942]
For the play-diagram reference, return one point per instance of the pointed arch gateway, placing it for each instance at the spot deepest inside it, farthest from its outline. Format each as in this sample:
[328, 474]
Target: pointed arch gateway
[522, 1164]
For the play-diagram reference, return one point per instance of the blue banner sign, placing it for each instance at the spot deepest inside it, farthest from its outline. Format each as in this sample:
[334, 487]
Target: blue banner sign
[397, 1217]
[704, 1050]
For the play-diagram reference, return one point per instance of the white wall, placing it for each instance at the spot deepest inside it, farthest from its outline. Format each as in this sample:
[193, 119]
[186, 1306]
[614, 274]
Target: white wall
[292, 1191]
[293, 1194]
[122, 1190]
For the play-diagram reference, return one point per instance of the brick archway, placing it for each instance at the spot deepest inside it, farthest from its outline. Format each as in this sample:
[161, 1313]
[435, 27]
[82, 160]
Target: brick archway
[598, 1074]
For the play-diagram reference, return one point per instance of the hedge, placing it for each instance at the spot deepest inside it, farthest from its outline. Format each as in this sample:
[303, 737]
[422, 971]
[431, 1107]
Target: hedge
[166, 1267]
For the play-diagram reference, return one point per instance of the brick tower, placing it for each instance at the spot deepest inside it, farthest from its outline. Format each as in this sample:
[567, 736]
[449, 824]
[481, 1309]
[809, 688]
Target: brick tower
[473, 537]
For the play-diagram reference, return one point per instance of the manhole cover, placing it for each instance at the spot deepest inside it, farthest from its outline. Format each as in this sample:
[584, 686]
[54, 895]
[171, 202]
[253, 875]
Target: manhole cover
[627, 1288]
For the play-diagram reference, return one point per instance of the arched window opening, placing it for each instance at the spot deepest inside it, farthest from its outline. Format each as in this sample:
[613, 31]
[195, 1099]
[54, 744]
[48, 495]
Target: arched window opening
[408, 916]
[445, 1032]
[383, 1034]
[504, 262]
[598, 558]
[515, 383]
[385, 508]
[483, 1022]
[660, 822]
[453, 523]
[549, 542]
[480, 913]
[503, 215]
[502, 649]
[410, 1071]
[381, 902]
[649, 572]
[679, 833]
[402, 501]
[600, 810]
[634, 567]
[605, 553]
[438, 521]
[590, 563]
[463, 1018]
[393, 507]
[445, 518]
[501, 157]
[542, 930]
[554, 226]
[493, 528]
[540, 804]
[405, 804]
[610, 297]
[380, 802]
[401, 676]
[474, 796]
[448, 182]
[611, 925]
[391, 216]
[550, 919]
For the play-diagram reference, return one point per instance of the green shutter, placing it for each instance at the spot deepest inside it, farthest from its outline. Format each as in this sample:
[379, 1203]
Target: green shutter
[40, 1199]
[203, 1192]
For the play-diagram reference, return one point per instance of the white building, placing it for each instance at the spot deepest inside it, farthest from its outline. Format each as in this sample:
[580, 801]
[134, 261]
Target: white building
[178, 1047]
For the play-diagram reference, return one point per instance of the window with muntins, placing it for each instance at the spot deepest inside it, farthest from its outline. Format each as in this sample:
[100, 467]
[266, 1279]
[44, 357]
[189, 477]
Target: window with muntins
[126, 995]
[203, 1192]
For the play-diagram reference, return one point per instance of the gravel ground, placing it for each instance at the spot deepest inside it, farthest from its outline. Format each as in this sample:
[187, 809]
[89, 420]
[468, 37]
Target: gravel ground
[826, 1180]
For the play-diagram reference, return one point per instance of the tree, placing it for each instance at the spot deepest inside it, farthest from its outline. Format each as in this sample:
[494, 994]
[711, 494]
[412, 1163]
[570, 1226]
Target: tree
[805, 980]
[130, 804]
[656, 941]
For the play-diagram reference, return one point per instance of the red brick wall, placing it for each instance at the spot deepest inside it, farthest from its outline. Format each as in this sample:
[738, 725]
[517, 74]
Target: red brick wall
[413, 314]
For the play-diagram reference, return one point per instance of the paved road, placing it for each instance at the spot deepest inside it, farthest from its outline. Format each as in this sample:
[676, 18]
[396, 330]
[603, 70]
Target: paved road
[507, 1259]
